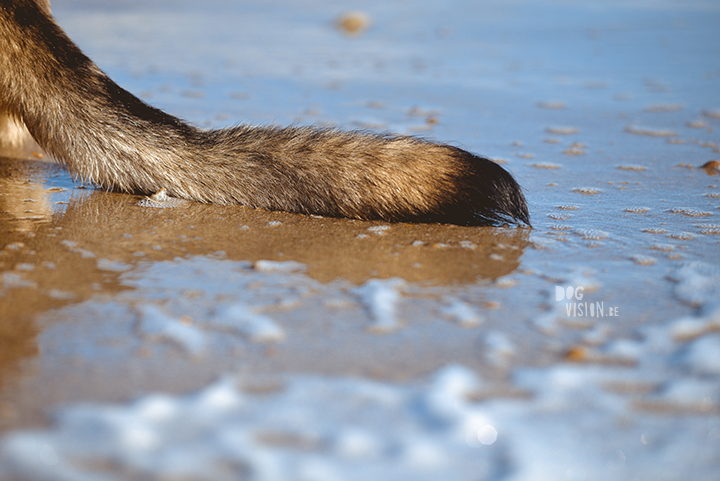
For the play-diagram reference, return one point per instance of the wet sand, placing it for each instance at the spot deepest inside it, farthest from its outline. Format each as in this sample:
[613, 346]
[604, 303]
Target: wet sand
[605, 112]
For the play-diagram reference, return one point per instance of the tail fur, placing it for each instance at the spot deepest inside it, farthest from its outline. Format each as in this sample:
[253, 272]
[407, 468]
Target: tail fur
[107, 136]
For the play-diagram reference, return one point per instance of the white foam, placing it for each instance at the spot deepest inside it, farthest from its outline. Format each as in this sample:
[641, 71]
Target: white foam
[462, 313]
[72, 247]
[625, 349]
[703, 355]
[240, 318]
[301, 432]
[697, 283]
[379, 229]
[12, 280]
[156, 325]
[351, 429]
[115, 266]
[276, 266]
[381, 297]
[499, 348]
[691, 392]
[342, 428]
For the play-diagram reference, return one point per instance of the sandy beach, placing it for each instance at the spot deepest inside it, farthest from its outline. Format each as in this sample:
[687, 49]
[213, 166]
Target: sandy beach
[203, 342]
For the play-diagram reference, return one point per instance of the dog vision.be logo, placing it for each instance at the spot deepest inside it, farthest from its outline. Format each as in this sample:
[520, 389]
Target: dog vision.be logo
[576, 307]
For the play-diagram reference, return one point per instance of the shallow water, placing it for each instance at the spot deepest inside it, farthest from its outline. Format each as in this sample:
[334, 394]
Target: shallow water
[208, 342]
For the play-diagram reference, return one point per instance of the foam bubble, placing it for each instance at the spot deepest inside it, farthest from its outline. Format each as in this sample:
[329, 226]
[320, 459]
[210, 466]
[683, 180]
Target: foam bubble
[697, 283]
[462, 313]
[380, 297]
[703, 355]
[275, 266]
[156, 325]
[240, 318]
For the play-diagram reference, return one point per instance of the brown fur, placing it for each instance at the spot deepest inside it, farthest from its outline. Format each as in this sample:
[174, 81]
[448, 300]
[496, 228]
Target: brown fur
[106, 136]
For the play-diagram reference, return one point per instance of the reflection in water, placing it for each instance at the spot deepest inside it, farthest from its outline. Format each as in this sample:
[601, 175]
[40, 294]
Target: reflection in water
[113, 227]
[25, 203]
[61, 245]
[15, 140]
